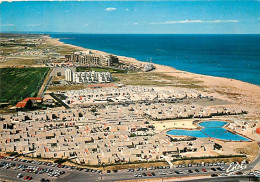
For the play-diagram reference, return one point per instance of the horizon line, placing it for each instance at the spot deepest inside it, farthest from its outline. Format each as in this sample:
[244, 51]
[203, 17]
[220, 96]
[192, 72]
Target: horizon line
[36, 32]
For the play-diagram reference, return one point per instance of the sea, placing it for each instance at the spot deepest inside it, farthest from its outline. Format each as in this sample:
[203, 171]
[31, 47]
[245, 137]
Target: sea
[230, 56]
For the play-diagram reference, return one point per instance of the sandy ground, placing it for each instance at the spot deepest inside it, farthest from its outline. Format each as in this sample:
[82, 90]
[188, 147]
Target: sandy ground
[239, 148]
[170, 124]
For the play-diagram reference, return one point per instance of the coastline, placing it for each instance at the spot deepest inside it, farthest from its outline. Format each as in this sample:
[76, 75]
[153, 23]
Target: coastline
[244, 94]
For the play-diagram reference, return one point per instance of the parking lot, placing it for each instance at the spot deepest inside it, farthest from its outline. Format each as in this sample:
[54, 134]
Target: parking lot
[23, 170]
[15, 169]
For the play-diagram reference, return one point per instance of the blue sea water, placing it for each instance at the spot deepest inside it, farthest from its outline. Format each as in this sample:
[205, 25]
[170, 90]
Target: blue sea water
[211, 129]
[230, 56]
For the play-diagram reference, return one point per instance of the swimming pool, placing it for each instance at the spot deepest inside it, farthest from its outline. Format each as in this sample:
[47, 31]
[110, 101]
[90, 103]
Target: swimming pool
[213, 124]
[213, 129]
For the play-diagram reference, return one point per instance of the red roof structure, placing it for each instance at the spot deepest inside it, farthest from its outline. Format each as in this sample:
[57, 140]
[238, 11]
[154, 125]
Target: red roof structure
[23, 103]
[258, 130]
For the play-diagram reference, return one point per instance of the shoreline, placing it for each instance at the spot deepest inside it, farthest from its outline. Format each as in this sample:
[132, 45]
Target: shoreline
[236, 91]
[135, 61]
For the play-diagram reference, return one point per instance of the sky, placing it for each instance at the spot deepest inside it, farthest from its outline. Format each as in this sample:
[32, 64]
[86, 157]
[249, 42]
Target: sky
[137, 17]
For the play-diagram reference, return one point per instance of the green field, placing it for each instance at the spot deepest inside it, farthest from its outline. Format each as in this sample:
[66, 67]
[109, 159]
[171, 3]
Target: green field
[99, 69]
[19, 83]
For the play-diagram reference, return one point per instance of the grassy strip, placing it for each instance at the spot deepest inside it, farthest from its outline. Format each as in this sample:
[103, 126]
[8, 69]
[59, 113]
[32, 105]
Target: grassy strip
[100, 69]
[136, 164]
[156, 79]
[208, 157]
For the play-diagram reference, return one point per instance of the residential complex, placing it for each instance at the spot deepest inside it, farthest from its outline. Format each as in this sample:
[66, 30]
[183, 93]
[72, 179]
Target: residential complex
[119, 128]
[109, 135]
[129, 94]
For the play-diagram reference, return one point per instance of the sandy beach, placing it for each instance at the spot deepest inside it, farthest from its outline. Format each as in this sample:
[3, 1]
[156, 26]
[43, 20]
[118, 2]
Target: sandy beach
[245, 95]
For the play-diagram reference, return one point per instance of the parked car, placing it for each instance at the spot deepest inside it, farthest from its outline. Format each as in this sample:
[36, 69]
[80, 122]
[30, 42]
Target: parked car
[223, 174]
[19, 175]
[204, 170]
[26, 177]
[180, 172]
[29, 178]
[214, 175]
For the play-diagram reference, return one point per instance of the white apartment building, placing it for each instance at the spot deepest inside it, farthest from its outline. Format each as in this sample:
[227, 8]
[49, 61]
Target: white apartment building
[88, 58]
[87, 77]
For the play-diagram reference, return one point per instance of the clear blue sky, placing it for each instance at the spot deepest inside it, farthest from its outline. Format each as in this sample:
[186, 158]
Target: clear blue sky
[171, 17]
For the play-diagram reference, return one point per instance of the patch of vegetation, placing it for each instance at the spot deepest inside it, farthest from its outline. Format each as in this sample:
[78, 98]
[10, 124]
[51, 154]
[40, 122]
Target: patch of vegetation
[210, 157]
[66, 87]
[156, 79]
[99, 69]
[60, 161]
[217, 146]
[132, 135]
[18, 62]
[229, 93]
[19, 83]
[93, 109]
[11, 154]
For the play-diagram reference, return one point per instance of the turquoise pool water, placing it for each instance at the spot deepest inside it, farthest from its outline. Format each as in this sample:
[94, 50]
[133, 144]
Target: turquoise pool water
[213, 129]
[213, 124]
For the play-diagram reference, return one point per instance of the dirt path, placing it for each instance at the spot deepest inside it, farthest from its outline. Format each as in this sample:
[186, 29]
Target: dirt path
[41, 90]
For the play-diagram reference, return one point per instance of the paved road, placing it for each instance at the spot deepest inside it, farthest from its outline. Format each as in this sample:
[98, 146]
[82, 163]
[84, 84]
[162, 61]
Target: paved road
[60, 101]
[45, 83]
[124, 175]
[73, 175]
[226, 179]
[255, 162]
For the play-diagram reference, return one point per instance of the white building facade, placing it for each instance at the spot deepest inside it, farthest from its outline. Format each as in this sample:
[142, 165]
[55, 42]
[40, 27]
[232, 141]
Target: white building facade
[87, 58]
[87, 77]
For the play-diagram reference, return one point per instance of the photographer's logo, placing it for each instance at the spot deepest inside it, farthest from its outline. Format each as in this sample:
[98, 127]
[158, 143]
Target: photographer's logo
[236, 167]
